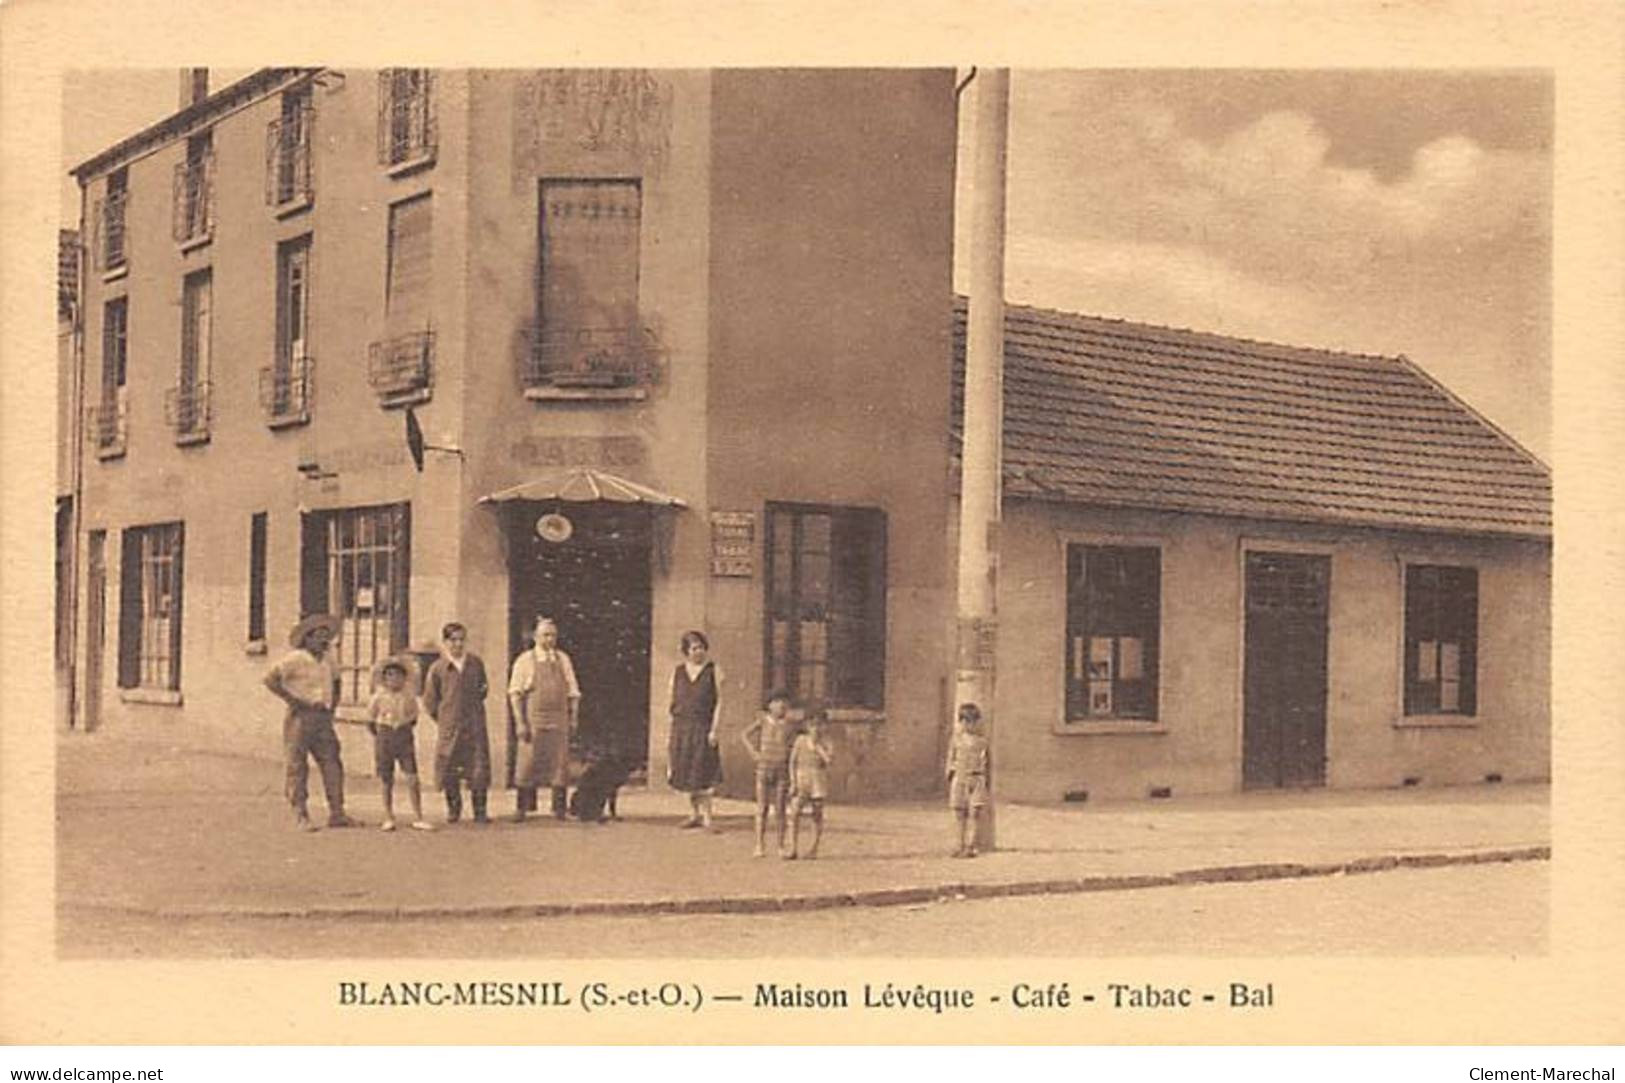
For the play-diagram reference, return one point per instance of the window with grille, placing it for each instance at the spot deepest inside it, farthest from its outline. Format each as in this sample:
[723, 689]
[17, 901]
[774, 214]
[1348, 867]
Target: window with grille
[110, 239]
[826, 604]
[406, 116]
[287, 149]
[150, 607]
[194, 190]
[588, 333]
[1441, 639]
[355, 564]
[1113, 625]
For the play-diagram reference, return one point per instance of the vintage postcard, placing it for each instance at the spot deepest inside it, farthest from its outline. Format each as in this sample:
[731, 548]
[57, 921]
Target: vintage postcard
[1082, 534]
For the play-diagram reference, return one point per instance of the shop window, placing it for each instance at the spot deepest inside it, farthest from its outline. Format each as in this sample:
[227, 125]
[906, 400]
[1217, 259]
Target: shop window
[1113, 626]
[356, 565]
[150, 583]
[1441, 640]
[826, 604]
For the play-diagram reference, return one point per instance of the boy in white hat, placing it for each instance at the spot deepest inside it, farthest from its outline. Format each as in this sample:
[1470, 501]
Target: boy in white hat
[392, 720]
[306, 680]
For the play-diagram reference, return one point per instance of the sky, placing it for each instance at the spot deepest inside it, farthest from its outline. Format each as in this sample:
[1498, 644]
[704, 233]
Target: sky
[1390, 212]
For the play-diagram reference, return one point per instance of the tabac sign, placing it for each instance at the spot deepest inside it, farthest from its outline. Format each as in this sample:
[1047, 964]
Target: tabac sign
[733, 543]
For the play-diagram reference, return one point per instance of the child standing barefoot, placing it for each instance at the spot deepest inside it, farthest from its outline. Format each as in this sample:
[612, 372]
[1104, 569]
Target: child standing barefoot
[771, 732]
[394, 714]
[809, 775]
[967, 777]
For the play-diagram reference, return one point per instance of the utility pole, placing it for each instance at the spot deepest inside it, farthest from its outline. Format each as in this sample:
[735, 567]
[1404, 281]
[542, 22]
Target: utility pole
[982, 453]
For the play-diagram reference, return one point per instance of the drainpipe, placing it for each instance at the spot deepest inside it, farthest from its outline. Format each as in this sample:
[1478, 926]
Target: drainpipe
[982, 453]
[76, 432]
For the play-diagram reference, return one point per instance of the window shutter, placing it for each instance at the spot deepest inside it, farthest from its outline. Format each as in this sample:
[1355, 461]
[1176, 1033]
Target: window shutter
[176, 604]
[129, 612]
[411, 262]
[313, 564]
[400, 570]
[385, 100]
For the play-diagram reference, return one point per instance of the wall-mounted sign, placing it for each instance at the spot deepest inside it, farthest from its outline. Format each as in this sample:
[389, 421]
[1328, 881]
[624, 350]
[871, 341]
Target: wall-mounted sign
[733, 543]
[554, 528]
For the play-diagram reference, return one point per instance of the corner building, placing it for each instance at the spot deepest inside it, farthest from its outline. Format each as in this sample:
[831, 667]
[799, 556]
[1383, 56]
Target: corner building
[679, 345]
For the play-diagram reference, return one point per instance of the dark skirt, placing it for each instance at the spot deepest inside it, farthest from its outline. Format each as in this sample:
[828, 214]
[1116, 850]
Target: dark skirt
[696, 765]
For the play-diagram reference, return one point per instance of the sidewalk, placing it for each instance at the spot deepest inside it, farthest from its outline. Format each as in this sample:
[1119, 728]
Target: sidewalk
[145, 829]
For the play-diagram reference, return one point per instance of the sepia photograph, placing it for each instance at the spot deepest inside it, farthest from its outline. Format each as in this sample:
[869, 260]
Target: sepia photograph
[616, 540]
[694, 512]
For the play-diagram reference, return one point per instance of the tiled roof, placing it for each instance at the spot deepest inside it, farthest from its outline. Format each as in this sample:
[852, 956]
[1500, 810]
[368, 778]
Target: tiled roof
[1129, 415]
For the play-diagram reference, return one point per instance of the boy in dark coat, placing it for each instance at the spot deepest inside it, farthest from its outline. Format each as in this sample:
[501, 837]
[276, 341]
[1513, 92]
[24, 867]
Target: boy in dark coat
[454, 696]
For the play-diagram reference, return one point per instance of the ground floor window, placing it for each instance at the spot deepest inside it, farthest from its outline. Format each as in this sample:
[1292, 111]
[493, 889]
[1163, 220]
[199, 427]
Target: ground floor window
[356, 564]
[150, 607]
[1113, 626]
[1441, 639]
[826, 604]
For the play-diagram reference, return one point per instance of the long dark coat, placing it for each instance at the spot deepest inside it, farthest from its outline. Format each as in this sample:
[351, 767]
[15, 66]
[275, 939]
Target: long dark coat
[462, 750]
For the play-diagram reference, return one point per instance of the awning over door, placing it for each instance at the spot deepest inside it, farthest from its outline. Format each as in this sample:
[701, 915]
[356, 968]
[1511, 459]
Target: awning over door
[584, 485]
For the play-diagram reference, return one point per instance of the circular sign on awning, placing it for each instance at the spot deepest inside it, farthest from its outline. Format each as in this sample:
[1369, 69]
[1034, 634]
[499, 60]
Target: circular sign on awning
[554, 527]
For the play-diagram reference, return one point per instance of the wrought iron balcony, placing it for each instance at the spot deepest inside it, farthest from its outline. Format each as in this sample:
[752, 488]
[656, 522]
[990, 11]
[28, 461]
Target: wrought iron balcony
[402, 368]
[186, 409]
[110, 253]
[288, 390]
[107, 425]
[588, 357]
[194, 199]
[287, 158]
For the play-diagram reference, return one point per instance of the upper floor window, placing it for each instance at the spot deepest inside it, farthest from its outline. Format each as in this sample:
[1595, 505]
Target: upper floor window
[288, 179]
[194, 190]
[1113, 627]
[406, 116]
[588, 331]
[188, 401]
[826, 604]
[111, 253]
[150, 607]
[401, 364]
[1441, 639]
[286, 384]
[111, 416]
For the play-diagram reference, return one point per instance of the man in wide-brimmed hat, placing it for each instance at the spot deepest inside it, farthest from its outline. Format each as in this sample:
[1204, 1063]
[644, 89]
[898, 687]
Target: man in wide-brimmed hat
[306, 680]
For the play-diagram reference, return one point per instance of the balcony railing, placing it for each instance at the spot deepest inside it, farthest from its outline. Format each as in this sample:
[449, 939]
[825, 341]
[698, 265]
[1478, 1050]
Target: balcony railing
[406, 116]
[107, 425]
[186, 409]
[402, 368]
[194, 199]
[287, 158]
[110, 253]
[288, 390]
[588, 357]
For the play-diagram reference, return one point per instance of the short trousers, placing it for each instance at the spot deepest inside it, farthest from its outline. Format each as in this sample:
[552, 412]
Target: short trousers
[772, 779]
[392, 745]
[967, 791]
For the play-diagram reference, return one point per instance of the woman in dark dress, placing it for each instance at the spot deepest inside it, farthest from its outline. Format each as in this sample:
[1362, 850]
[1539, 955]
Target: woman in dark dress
[696, 704]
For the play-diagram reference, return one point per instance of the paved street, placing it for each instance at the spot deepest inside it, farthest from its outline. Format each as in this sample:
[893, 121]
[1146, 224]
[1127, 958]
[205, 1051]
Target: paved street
[181, 846]
[1368, 915]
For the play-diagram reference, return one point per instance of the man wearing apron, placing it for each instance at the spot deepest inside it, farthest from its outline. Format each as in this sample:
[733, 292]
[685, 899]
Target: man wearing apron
[544, 695]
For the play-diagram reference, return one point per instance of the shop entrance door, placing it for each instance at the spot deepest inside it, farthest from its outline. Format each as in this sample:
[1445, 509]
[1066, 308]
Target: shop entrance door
[1284, 697]
[596, 585]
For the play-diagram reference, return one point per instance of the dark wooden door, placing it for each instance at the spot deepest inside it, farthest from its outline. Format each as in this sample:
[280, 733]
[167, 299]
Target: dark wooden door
[95, 626]
[1284, 693]
[597, 587]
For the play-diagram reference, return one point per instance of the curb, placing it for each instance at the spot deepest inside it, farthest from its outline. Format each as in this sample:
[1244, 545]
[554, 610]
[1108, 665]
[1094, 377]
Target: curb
[904, 896]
